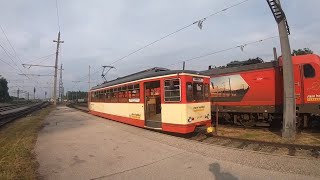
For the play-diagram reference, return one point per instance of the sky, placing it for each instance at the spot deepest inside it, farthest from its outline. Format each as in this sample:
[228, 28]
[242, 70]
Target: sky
[99, 32]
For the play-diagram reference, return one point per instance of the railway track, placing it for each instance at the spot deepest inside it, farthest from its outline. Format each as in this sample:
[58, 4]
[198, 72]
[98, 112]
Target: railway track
[79, 107]
[294, 150]
[9, 113]
[11, 106]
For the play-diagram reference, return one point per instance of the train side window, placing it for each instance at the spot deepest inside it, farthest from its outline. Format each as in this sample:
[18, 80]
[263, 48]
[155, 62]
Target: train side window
[108, 97]
[130, 87]
[308, 71]
[206, 91]
[102, 96]
[135, 93]
[123, 94]
[189, 92]
[172, 90]
[99, 96]
[124, 88]
[136, 86]
[114, 95]
[198, 91]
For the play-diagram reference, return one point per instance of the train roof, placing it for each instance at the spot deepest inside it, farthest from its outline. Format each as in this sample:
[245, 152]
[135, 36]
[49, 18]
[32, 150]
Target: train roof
[302, 59]
[227, 70]
[152, 72]
[295, 60]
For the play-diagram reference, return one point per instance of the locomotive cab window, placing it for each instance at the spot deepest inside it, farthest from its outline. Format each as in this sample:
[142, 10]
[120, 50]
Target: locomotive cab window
[308, 71]
[172, 90]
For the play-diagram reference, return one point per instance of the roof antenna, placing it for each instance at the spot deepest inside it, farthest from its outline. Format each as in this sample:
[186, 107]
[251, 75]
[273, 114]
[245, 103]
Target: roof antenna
[103, 75]
[184, 65]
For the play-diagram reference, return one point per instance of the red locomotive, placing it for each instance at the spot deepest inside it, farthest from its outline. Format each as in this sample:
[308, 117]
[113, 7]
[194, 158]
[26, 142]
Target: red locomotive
[252, 95]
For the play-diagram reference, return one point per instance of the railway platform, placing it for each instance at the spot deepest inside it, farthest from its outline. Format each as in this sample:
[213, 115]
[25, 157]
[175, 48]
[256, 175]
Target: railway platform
[77, 145]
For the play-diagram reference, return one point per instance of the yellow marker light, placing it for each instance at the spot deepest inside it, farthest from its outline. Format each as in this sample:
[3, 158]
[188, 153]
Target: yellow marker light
[210, 129]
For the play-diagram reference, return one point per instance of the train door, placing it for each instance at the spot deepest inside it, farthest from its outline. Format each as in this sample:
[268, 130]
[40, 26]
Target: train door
[152, 104]
[298, 84]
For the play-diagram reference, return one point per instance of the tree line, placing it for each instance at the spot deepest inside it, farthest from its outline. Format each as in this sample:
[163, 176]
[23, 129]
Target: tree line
[4, 90]
[73, 95]
[257, 60]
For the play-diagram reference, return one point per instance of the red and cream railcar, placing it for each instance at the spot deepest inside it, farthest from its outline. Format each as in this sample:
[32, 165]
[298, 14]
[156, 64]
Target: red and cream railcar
[169, 100]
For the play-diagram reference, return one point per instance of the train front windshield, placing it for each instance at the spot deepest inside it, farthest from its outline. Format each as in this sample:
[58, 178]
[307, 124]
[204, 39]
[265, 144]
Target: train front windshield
[197, 92]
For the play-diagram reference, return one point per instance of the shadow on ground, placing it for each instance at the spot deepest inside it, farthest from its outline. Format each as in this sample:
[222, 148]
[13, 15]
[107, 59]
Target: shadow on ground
[215, 169]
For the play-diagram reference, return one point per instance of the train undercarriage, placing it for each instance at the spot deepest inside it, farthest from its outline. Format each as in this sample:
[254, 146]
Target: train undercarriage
[272, 120]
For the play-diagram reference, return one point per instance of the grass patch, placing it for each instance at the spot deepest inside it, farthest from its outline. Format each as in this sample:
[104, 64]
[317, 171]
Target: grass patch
[248, 136]
[304, 138]
[17, 140]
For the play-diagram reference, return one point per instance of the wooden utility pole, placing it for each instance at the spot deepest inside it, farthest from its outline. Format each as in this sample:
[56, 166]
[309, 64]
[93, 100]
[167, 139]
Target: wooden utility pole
[56, 70]
[289, 105]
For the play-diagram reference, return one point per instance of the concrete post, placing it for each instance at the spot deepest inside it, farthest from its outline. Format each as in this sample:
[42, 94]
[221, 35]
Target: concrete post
[289, 105]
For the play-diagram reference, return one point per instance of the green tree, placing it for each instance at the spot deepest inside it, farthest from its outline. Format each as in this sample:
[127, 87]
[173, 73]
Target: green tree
[4, 94]
[301, 52]
[73, 95]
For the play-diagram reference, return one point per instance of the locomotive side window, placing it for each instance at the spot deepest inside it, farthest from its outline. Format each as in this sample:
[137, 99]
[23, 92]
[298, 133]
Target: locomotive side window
[308, 71]
[172, 90]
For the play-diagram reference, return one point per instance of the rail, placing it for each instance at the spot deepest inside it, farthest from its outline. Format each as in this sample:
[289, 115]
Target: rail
[81, 107]
[290, 149]
[9, 113]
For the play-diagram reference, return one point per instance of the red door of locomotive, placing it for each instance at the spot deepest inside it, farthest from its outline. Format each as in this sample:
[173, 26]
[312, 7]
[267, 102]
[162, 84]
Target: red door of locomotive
[298, 84]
